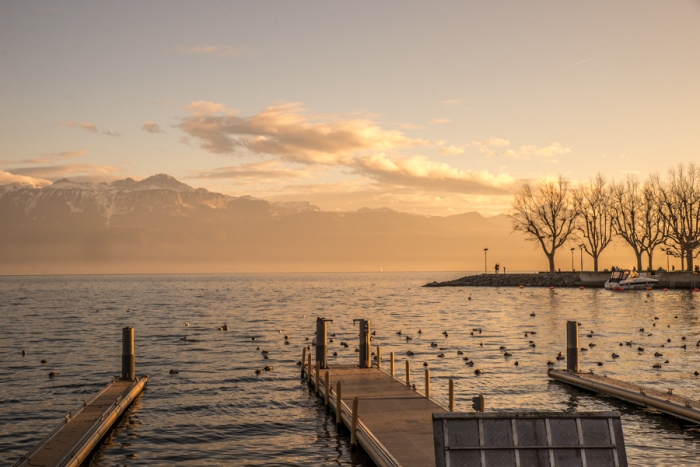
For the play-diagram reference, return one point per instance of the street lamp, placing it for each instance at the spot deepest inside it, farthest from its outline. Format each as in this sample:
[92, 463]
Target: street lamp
[485, 250]
[572, 258]
[581, 247]
[668, 261]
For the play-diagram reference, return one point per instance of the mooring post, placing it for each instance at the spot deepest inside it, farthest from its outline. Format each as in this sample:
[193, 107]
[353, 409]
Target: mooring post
[322, 341]
[328, 388]
[572, 352]
[318, 379]
[452, 395]
[379, 357]
[353, 424]
[427, 383]
[408, 372]
[308, 369]
[338, 404]
[365, 361]
[128, 357]
[303, 361]
[392, 364]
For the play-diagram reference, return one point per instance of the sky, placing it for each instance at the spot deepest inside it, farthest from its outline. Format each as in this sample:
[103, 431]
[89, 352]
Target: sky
[435, 108]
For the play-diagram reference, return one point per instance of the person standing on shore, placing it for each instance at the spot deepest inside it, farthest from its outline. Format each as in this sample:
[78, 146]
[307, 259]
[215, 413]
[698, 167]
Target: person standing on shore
[498, 266]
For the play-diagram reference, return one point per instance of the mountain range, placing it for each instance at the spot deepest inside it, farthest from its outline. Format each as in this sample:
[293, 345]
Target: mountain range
[161, 225]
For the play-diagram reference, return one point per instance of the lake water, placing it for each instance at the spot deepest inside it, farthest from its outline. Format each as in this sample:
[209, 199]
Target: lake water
[216, 411]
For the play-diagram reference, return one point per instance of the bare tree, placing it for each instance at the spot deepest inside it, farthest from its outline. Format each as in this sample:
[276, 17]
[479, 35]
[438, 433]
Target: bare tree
[592, 201]
[637, 216]
[679, 200]
[544, 213]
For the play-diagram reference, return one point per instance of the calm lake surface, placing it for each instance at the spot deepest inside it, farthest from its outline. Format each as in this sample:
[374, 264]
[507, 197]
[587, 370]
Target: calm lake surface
[216, 411]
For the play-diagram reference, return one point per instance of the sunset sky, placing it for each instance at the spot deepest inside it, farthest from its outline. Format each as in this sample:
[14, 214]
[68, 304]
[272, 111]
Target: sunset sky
[434, 108]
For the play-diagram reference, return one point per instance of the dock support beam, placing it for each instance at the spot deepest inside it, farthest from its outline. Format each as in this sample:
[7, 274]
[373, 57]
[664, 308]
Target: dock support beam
[572, 352]
[308, 370]
[452, 396]
[303, 361]
[427, 383]
[318, 379]
[128, 357]
[408, 372]
[338, 404]
[322, 341]
[379, 357]
[353, 425]
[327, 397]
[392, 364]
[365, 361]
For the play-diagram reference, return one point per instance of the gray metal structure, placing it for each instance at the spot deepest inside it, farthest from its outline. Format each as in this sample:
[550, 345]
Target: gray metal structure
[364, 342]
[322, 341]
[529, 439]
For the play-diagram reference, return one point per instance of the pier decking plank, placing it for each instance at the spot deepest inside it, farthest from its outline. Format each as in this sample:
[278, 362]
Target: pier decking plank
[399, 417]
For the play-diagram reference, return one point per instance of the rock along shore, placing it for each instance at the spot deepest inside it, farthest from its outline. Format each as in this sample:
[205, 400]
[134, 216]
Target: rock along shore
[672, 280]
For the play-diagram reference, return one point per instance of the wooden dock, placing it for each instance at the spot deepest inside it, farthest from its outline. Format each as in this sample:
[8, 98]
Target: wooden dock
[394, 424]
[666, 402]
[72, 441]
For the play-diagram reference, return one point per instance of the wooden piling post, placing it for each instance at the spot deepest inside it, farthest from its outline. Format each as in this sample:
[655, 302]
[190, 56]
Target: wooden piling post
[128, 357]
[308, 369]
[408, 372]
[392, 364]
[327, 380]
[353, 425]
[318, 379]
[379, 357]
[452, 395]
[572, 352]
[303, 360]
[338, 404]
[427, 383]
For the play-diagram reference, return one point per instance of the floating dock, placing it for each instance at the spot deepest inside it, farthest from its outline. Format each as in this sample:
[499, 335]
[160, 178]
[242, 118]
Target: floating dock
[71, 442]
[665, 402]
[394, 424]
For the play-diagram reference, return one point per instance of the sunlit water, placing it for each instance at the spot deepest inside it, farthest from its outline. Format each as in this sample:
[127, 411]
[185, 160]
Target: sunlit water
[216, 411]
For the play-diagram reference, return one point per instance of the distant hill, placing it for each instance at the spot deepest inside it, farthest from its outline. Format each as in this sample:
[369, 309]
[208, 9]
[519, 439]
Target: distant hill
[161, 225]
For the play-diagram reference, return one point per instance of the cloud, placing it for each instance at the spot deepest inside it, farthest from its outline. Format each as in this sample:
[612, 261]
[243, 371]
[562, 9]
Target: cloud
[268, 170]
[451, 150]
[451, 102]
[86, 172]
[546, 153]
[152, 127]
[51, 157]
[7, 178]
[215, 50]
[91, 127]
[439, 121]
[419, 171]
[288, 131]
[485, 146]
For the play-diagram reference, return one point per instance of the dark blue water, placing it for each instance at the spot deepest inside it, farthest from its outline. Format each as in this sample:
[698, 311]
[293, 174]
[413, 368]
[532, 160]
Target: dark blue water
[216, 411]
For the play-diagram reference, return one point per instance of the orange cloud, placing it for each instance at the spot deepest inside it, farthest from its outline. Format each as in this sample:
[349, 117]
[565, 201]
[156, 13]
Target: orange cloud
[152, 127]
[286, 130]
[547, 153]
[7, 178]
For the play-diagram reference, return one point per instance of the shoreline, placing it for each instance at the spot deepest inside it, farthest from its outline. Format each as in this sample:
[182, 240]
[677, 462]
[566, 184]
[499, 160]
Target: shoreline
[672, 280]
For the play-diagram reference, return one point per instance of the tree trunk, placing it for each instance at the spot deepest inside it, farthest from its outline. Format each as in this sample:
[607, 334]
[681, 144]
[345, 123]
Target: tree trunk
[651, 263]
[689, 259]
[595, 263]
[639, 260]
[551, 262]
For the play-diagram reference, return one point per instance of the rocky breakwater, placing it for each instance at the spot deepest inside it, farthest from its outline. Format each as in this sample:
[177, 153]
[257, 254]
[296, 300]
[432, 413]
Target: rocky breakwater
[558, 279]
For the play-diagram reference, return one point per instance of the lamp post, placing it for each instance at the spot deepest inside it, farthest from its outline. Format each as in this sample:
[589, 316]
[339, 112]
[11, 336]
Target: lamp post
[572, 258]
[668, 261]
[485, 250]
[581, 248]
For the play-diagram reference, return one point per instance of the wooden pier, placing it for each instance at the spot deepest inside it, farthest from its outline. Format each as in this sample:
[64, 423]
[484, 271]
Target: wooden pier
[666, 402]
[72, 441]
[394, 425]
